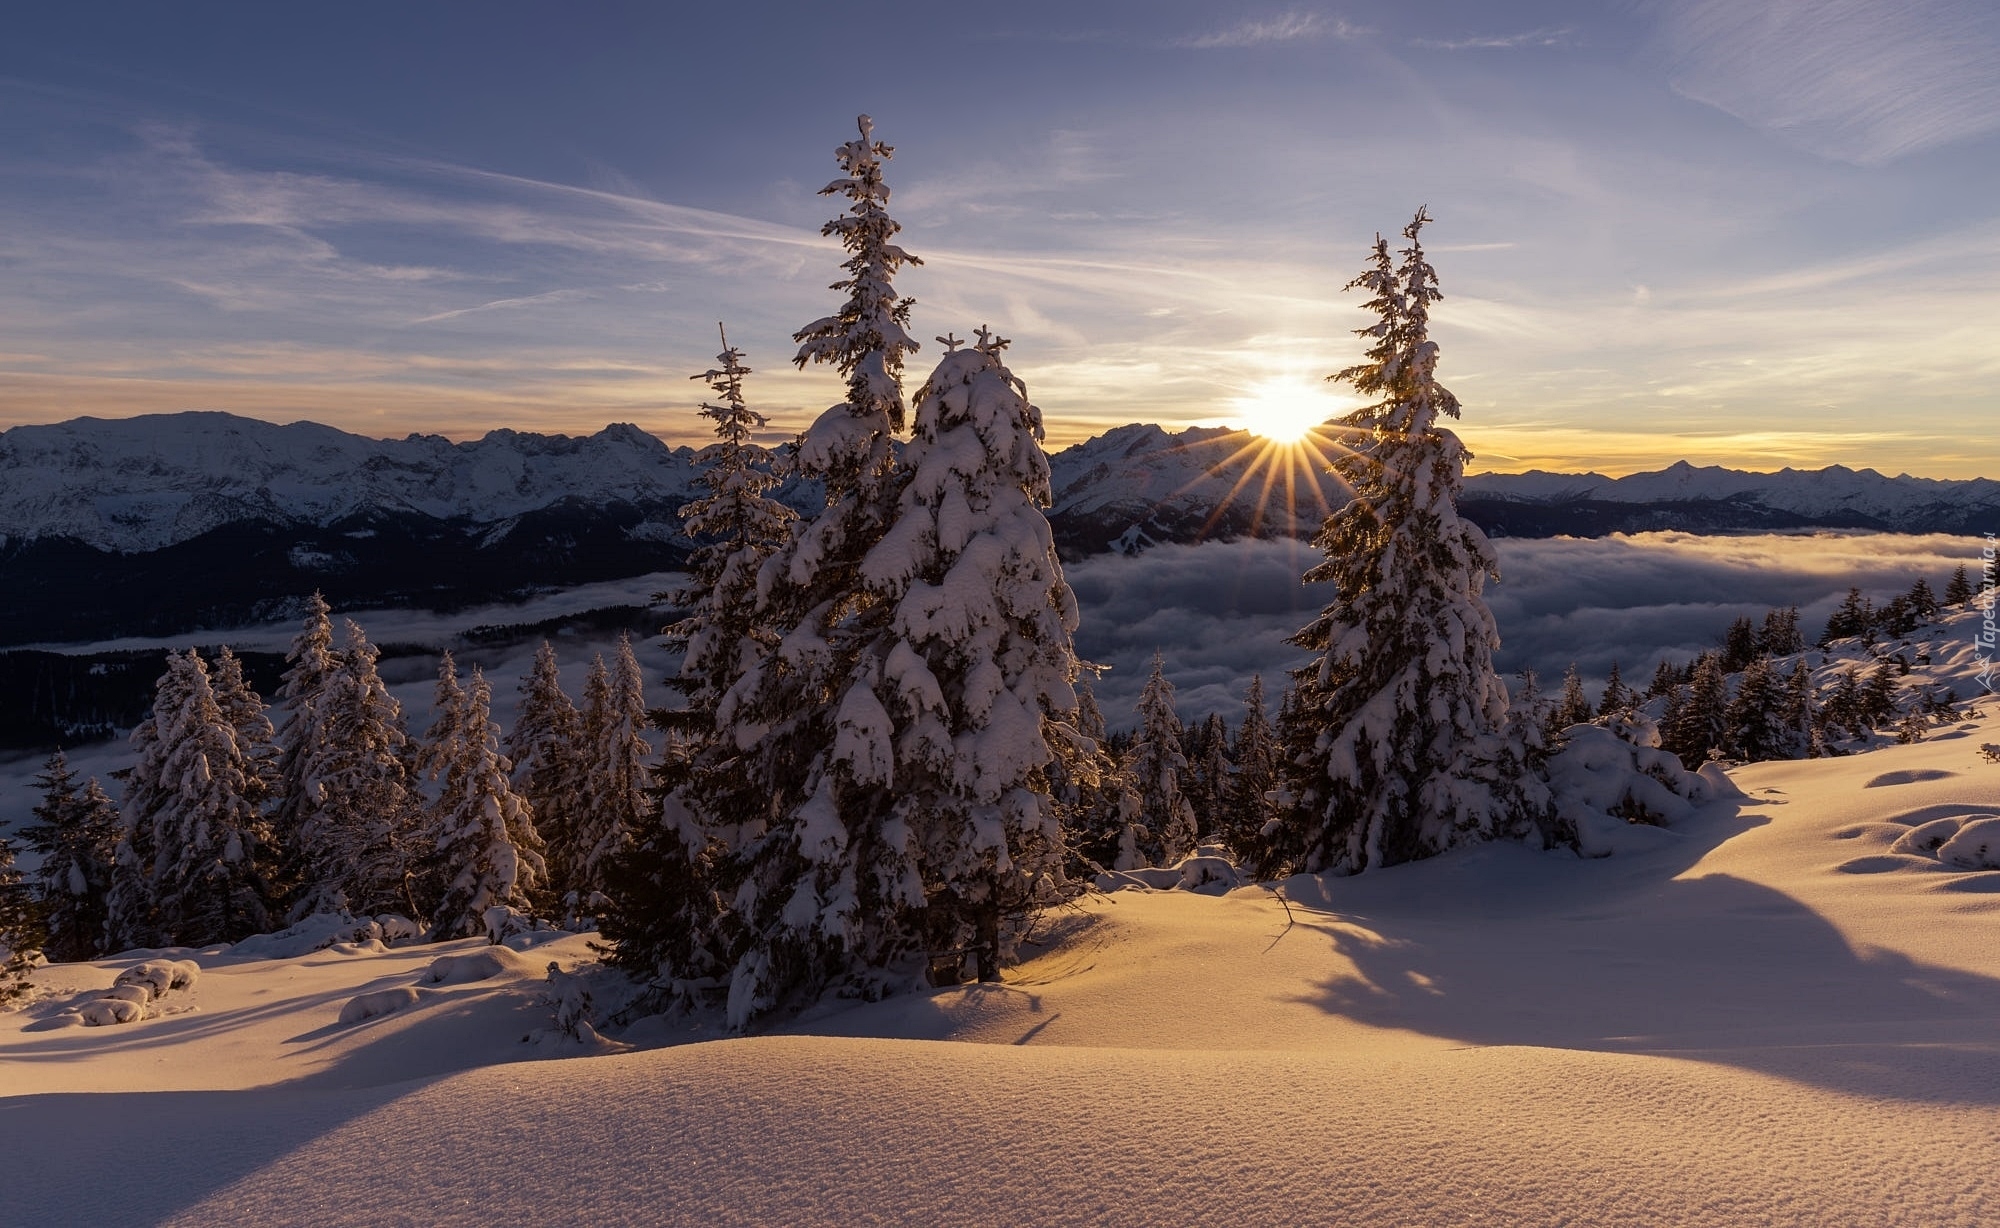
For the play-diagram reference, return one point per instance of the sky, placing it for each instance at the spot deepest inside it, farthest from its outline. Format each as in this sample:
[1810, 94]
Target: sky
[1754, 234]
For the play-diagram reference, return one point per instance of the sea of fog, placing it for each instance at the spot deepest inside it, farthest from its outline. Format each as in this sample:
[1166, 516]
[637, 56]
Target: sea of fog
[1219, 612]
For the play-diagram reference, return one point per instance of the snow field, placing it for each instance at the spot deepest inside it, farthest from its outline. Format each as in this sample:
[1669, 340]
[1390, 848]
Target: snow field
[1723, 1023]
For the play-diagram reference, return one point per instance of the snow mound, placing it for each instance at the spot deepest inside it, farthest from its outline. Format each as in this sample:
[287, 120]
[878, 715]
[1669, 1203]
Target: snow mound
[104, 1012]
[481, 965]
[133, 994]
[1607, 779]
[1967, 842]
[1208, 870]
[366, 1006]
[158, 977]
[326, 931]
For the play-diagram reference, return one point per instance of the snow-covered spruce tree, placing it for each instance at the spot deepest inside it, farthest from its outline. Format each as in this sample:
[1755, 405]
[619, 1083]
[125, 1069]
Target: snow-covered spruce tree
[357, 823]
[1755, 715]
[1923, 602]
[1700, 724]
[244, 709]
[1780, 635]
[1090, 790]
[434, 761]
[787, 873]
[546, 748]
[1618, 698]
[1155, 764]
[441, 750]
[616, 803]
[485, 836]
[131, 913]
[76, 833]
[735, 525]
[1408, 749]
[213, 850]
[662, 900]
[1666, 676]
[310, 661]
[972, 685]
[1958, 590]
[22, 933]
[1799, 717]
[1574, 706]
[1207, 778]
[1246, 804]
[1855, 616]
[1739, 645]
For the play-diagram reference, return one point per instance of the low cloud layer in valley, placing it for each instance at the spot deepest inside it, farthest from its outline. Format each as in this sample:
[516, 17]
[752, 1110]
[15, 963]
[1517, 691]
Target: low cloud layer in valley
[1220, 612]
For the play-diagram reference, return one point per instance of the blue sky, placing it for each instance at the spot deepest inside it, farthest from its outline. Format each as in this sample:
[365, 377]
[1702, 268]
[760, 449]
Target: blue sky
[1749, 233]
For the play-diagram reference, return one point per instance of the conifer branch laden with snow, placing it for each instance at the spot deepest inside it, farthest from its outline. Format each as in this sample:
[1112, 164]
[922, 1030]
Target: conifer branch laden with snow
[1401, 747]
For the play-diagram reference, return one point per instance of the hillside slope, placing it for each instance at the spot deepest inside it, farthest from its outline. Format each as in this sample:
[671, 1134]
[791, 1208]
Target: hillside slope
[1770, 1015]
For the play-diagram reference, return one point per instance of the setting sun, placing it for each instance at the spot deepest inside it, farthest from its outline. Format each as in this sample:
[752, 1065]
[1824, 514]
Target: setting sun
[1284, 412]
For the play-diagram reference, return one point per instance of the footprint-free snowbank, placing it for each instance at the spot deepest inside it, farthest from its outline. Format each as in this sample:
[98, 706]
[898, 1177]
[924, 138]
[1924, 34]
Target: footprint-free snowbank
[825, 1131]
[1716, 1026]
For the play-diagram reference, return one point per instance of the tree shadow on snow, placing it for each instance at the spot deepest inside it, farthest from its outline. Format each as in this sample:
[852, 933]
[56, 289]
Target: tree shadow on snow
[1500, 945]
[141, 1157]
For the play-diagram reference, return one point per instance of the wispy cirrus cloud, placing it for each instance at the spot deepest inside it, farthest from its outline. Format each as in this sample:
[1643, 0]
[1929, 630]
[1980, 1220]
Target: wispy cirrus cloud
[1861, 81]
[1293, 25]
[1551, 36]
[508, 304]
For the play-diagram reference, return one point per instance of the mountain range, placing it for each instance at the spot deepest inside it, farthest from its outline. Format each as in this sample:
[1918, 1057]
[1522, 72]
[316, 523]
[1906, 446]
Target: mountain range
[162, 523]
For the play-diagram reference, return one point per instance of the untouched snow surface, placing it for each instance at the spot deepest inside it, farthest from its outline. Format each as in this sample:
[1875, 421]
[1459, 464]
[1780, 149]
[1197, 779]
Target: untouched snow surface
[1765, 1015]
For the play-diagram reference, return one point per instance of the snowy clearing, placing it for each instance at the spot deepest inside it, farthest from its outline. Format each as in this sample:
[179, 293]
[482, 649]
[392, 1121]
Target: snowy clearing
[1730, 1021]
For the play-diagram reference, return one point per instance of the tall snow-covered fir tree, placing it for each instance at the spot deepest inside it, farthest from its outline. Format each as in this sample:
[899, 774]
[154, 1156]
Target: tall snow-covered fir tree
[663, 901]
[211, 881]
[1208, 771]
[1165, 831]
[615, 798]
[310, 662]
[1958, 590]
[195, 862]
[546, 747]
[244, 709]
[1246, 804]
[21, 926]
[484, 833]
[1618, 699]
[784, 825]
[76, 833]
[357, 820]
[1092, 792]
[735, 525]
[1755, 717]
[435, 759]
[440, 750]
[1404, 747]
[970, 694]
[1798, 717]
[1699, 723]
[132, 918]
